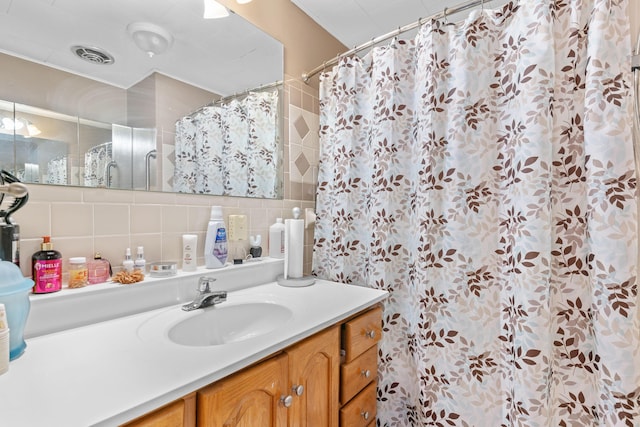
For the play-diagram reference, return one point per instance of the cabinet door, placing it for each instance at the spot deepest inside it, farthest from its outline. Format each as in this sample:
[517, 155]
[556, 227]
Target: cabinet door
[181, 413]
[314, 364]
[250, 398]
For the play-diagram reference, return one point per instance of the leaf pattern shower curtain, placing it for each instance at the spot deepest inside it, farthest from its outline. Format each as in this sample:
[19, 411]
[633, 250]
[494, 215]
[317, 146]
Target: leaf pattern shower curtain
[230, 149]
[483, 174]
[96, 160]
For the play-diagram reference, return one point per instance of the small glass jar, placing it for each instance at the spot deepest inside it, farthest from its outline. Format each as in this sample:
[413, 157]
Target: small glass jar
[78, 273]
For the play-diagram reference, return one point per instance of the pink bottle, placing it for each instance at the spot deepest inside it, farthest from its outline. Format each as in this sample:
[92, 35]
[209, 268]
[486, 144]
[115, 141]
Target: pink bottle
[99, 270]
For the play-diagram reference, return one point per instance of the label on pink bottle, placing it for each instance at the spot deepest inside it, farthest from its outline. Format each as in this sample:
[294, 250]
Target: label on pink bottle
[47, 276]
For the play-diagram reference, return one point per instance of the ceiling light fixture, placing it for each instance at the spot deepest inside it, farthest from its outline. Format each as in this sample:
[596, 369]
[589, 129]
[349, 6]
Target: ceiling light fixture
[19, 127]
[150, 38]
[214, 10]
[32, 130]
[243, 1]
[12, 124]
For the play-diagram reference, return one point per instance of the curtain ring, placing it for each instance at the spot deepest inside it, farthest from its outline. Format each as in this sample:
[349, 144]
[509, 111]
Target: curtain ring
[482, 6]
[446, 20]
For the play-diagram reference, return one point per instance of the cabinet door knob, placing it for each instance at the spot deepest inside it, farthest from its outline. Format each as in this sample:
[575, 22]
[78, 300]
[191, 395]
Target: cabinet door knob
[365, 415]
[371, 334]
[298, 389]
[366, 373]
[286, 401]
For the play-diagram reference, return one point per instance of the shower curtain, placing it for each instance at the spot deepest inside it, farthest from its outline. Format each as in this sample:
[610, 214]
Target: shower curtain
[230, 149]
[483, 174]
[57, 171]
[96, 160]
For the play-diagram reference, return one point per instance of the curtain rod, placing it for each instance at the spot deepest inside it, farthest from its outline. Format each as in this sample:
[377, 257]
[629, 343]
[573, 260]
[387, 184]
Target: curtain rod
[445, 12]
[246, 91]
[228, 97]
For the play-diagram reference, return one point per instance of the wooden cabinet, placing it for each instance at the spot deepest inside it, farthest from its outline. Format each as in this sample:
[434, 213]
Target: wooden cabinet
[298, 388]
[305, 385]
[359, 369]
[180, 413]
[250, 398]
[315, 379]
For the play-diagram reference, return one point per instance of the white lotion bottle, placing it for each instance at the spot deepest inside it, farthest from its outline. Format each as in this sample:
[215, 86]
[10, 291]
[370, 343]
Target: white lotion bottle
[189, 245]
[215, 245]
[140, 263]
[276, 239]
[127, 264]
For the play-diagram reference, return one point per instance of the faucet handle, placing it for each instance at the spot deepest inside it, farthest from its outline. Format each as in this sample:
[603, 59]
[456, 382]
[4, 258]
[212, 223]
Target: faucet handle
[204, 284]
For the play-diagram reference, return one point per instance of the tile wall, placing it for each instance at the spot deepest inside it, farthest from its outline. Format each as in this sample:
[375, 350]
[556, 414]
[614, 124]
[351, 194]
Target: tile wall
[82, 221]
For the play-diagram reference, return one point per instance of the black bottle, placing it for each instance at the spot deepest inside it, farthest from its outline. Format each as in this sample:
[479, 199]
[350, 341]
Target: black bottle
[46, 268]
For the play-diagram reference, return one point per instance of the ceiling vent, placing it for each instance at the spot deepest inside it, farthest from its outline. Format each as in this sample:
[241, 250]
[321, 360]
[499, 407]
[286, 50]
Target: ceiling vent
[93, 54]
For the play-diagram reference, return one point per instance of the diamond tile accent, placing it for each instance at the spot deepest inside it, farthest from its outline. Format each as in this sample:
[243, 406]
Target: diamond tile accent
[302, 164]
[301, 126]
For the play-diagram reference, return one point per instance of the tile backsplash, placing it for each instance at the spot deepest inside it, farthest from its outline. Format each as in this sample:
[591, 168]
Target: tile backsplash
[82, 221]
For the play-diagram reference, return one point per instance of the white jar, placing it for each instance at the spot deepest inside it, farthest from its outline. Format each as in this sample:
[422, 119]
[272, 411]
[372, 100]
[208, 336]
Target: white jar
[276, 239]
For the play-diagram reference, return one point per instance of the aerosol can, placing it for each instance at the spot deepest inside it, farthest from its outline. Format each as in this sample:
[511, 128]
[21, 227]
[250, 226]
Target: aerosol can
[9, 242]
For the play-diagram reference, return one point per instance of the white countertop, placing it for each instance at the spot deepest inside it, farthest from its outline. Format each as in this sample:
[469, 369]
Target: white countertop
[108, 373]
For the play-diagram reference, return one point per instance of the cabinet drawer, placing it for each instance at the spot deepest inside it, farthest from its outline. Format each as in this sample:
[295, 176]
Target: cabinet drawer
[358, 373]
[362, 333]
[361, 411]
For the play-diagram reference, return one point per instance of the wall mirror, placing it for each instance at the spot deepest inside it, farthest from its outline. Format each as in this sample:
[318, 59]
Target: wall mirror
[145, 95]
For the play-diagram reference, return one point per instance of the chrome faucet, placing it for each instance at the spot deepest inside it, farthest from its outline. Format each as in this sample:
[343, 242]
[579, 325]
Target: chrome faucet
[206, 297]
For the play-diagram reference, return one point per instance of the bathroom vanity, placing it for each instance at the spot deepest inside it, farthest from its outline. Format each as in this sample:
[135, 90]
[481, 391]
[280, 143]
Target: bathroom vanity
[303, 385]
[271, 352]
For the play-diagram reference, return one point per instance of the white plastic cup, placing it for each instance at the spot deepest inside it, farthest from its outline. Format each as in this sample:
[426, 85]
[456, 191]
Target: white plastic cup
[4, 351]
[4, 324]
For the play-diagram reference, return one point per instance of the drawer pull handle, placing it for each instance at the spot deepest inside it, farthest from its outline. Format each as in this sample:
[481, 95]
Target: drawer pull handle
[371, 334]
[365, 415]
[366, 373]
[298, 389]
[286, 401]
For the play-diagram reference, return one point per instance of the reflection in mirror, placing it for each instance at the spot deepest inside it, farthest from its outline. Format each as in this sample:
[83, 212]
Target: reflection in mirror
[203, 117]
[248, 157]
[38, 146]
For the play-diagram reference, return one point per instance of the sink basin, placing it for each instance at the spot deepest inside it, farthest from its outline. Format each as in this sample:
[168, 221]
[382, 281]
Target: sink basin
[227, 323]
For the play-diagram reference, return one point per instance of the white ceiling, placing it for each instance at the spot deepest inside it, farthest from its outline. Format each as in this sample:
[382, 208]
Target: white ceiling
[209, 54]
[354, 22]
[44, 31]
